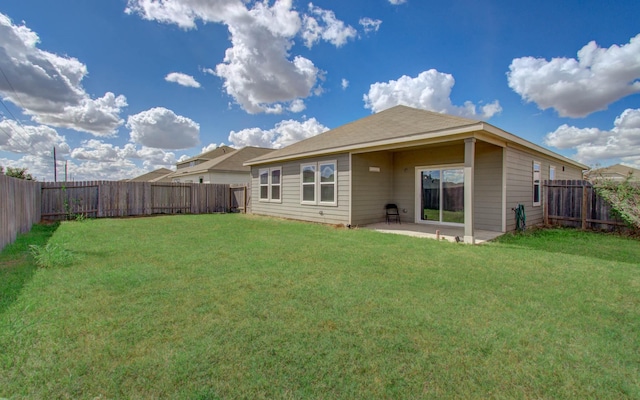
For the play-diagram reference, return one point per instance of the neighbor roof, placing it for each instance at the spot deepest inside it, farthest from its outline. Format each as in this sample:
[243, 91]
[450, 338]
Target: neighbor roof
[615, 171]
[399, 124]
[209, 155]
[152, 176]
[229, 162]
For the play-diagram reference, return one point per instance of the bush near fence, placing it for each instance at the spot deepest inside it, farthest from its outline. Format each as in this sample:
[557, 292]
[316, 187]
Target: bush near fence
[576, 203]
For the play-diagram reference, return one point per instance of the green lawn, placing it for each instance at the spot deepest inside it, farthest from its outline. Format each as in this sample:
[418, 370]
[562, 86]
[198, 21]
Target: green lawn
[235, 306]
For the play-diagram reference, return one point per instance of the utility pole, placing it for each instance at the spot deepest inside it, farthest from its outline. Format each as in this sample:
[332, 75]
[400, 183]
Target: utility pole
[55, 166]
[66, 165]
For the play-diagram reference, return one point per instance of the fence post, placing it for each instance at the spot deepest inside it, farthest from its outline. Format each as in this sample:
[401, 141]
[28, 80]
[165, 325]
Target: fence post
[546, 203]
[584, 206]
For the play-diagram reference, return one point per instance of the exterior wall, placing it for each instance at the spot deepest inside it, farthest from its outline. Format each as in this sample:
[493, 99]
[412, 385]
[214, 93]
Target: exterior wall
[488, 187]
[519, 171]
[371, 190]
[404, 176]
[290, 206]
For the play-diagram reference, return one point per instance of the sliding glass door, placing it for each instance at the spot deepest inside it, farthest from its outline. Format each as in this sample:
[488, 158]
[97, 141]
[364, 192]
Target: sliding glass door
[441, 195]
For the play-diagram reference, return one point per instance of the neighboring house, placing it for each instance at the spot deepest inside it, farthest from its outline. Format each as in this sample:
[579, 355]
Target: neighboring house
[439, 169]
[204, 157]
[227, 168]
[159, 175]
[616, 173]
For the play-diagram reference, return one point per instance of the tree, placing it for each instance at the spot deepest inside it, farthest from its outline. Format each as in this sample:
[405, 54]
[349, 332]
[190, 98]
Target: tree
[20, 173]
[624, 198]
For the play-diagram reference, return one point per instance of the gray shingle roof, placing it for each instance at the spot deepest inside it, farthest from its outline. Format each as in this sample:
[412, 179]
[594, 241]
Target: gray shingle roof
[393, 123]
[233, 161]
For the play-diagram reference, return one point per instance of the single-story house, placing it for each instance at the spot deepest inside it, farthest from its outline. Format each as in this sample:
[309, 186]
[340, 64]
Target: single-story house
[616, 173]
[228, 167]
[437, 168]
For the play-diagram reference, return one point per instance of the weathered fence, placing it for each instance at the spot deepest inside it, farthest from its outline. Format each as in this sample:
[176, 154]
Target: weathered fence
[19, 207]
[100, 199]
[576, 203]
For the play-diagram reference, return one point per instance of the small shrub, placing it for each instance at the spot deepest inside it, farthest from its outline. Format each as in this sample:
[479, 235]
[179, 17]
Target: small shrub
[50, 255]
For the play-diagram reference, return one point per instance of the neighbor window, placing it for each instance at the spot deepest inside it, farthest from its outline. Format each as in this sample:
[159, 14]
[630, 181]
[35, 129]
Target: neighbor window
[319, 183]
[270, 180]
[537, 190]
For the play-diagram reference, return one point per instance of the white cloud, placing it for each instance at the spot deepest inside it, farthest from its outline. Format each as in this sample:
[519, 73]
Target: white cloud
[297, 106]
[370, 25]
[258, 70]
[430, 90]
[344, 84]
[579, 87]
[326, 27]
[396, 2]
[31, 139]
[48, 86]
[163, 129]
[182, 79]
[283, 134]
[593, 145]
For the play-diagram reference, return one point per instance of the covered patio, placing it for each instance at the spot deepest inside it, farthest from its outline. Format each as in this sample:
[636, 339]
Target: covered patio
[432, 231]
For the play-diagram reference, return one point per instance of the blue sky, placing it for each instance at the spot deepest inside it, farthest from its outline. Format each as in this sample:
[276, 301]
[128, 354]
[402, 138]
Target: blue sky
[124, 87]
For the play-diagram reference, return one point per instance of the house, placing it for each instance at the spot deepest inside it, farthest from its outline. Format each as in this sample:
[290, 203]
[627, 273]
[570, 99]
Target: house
[439, 169]
[158, 175]
[617, 173]
[204, 157]
[228, 167]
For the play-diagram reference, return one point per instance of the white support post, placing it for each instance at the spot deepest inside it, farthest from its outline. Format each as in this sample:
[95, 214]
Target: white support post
[469, 166]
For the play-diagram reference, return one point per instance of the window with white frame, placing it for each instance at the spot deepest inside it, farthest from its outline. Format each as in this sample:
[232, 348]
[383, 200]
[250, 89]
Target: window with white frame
[270, 183]
[319, 183]
[537, 189]
[552, 173]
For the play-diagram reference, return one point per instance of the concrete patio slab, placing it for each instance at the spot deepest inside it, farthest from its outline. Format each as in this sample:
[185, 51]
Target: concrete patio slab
[431, 231]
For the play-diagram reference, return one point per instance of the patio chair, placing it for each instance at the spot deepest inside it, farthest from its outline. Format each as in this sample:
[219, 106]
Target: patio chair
[392, 213]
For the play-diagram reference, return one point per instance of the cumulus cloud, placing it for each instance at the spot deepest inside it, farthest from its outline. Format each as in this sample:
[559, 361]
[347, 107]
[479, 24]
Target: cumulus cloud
[430, 90]
[161, 128]
[283, 134]
[344, 84]
[31, 139]
[396, 2]
[323, 24]
[182, 79]
[370, 25]
[258, 70]
[593, 145]
[48, 86]
[578, 87]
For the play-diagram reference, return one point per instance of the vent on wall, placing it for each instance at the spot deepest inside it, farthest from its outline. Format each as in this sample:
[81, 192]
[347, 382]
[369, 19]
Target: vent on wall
[374, 169]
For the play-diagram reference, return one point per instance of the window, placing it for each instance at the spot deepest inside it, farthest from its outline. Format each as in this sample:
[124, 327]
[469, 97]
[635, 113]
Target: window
[536, 184]
[552, 173]
[319, 183]
[270, 182]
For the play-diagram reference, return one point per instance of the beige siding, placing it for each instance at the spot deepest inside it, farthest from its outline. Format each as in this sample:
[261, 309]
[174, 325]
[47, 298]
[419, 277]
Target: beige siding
[519, 164]
[405, 163]
[229, 178]
[290, 206]
[371, 190]
[488, 187]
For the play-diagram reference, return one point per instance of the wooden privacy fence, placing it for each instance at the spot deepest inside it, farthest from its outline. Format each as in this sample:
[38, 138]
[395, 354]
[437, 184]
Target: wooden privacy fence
[576, 203]
[100, 199]
[19, 207]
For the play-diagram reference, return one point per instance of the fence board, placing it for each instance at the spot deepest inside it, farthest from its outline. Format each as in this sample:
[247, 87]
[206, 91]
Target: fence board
[19, 207]
[121, 199]
[577, 204]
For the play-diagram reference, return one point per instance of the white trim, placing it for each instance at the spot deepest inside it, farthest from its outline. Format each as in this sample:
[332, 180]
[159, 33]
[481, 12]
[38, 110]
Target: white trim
[539, 183]
[504, 190]
[303, 184]
[317, 183]
[552, 168]
[269, 185]
[350, 186]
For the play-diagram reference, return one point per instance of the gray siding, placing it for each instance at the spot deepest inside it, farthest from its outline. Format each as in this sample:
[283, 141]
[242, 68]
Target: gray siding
[371, 190]
[290, 206]
[519, 165]
[405, 163]
[488, 187]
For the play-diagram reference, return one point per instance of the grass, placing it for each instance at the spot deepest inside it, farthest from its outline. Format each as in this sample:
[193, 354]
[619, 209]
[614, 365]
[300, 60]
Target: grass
[233, 306]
